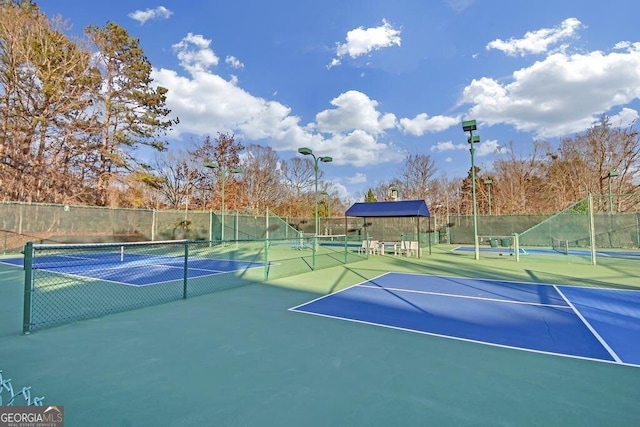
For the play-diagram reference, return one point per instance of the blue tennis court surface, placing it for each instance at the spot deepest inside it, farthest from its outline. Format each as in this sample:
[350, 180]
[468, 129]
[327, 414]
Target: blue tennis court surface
[629, 254]
[135, 269]
[598, 324]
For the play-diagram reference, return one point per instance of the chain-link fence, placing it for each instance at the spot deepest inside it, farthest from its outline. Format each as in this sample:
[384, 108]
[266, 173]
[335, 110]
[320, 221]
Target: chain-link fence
[43, 223]
[593, 221]
[72, 282]
[10, 396]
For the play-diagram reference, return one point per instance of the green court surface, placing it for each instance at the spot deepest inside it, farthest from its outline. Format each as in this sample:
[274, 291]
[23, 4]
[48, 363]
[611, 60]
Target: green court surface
[239, 357]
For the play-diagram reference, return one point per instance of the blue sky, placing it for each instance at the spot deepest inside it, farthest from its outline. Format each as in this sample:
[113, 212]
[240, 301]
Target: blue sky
[370, 81]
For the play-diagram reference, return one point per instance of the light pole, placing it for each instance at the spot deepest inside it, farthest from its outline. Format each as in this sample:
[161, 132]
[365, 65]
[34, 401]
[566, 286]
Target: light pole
[470, 126]
[325, 159]
[488, 182]
[223, 178]
[611, 174]
[328, 205]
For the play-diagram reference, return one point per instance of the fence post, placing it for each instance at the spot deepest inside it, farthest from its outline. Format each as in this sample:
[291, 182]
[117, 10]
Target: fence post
[153, 225]
[592, 230]
[346, 248]
[266, 259]
[186, 269]
[28, 287]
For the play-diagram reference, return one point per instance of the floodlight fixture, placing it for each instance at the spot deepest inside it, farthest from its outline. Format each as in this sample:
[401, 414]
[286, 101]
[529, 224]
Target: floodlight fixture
[469, 126]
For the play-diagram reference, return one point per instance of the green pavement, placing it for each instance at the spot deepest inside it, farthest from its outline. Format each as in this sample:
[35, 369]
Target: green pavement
[239, 357]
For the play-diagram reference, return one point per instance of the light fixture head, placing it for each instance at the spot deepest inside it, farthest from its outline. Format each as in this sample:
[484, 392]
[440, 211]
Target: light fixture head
[469, 125]
[305, 151]
[613, 173]
[210, 165]
[474, 139]
[488, 181]
[326, 159]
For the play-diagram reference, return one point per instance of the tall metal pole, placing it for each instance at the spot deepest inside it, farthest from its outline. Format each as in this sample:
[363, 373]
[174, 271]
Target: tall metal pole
[489, 184]
[315, 193]
[223, 177]
[308, 152]
[610, 175]
[327, 210]
[470, 126]
[476, 247]
[223, 173]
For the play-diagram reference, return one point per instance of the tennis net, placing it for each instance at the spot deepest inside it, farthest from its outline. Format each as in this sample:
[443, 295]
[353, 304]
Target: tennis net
[67, 283]
[560, 245]
[52, 256]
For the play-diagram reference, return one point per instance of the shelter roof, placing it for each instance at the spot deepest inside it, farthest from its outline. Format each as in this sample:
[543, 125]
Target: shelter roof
[404, 208]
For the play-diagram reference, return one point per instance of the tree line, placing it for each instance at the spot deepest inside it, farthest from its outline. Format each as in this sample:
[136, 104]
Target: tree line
[74, 114]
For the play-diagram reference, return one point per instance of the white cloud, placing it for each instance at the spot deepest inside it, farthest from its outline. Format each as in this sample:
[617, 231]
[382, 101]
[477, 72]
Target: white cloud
[448, 146]
[537, 42]
[355, 110]
[359, 148]
[143, 16]
[362, 41]
[358, 178]
[626, 117]
[488, 147]
[207, 103]
[559, 95]
[339, 190]
[194, 53]
[233, 62]
[422, 123]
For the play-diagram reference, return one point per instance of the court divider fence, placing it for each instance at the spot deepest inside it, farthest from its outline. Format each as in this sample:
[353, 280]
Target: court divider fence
[71, 282]
[17, 397]
[50, 223]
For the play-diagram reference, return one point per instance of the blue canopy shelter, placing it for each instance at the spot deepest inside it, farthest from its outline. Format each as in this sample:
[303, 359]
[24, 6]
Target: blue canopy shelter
[404, 208]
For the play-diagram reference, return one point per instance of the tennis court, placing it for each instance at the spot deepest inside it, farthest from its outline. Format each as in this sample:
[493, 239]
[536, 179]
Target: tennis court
[598, 324]
[133, 269]
[619, 253]
[440, 340]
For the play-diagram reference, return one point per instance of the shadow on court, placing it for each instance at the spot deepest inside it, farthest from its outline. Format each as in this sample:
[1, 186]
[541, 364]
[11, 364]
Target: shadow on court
[239, 357]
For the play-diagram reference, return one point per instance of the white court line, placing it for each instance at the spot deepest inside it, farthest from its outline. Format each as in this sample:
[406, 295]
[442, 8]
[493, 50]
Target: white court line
[616, 361]
[465, 296]
[588, 325]
[296, 308]
[432, 334]
[80, 275]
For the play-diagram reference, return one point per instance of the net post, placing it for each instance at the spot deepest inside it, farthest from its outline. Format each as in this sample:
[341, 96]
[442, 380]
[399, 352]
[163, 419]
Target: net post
[592, 230]
[153, 225]
[186, 270]
[516, 246]
[313, 251]
[210, 227]
[346, 248]
[28, 287]
[266, 259]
